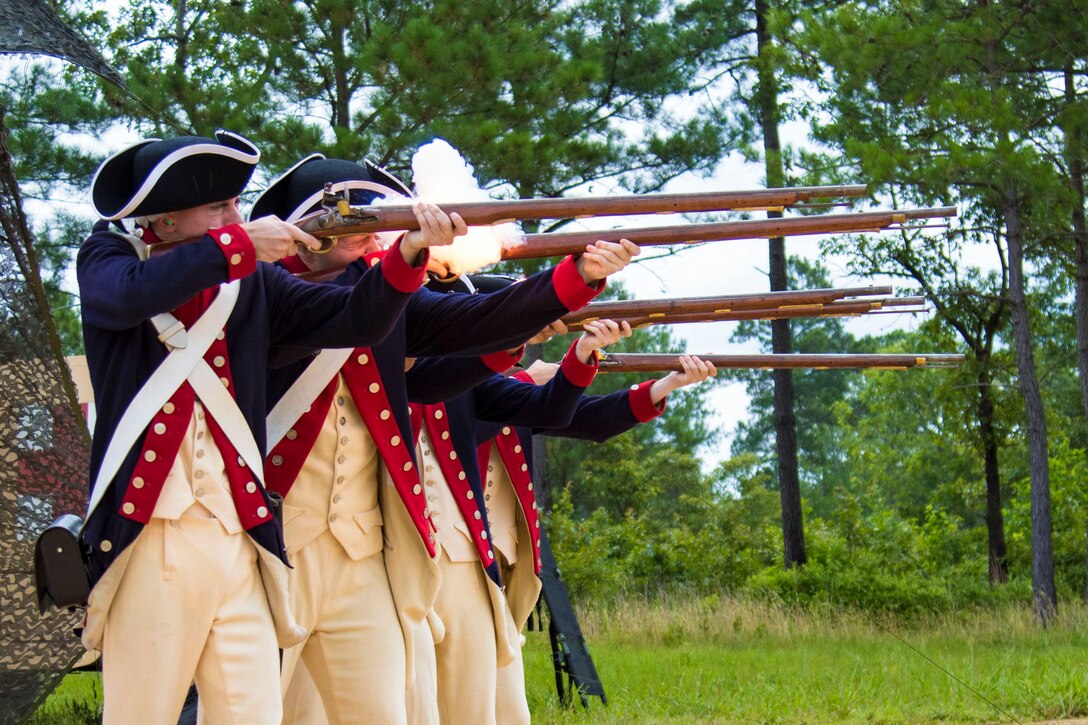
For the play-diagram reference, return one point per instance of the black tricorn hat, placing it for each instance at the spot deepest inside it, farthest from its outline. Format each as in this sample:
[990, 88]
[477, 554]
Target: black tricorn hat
[299, 190]
[156, 176]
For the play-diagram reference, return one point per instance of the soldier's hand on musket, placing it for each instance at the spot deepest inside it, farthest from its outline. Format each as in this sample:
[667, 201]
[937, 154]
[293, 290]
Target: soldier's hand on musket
[274, 239]
[541, 372]
[604, 258]
[555, 328]
[695, 371]
[598, 334]
[436, 229]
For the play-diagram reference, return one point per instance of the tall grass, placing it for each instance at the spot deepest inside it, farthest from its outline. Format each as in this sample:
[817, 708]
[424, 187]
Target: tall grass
[724, 618]
[724, 659]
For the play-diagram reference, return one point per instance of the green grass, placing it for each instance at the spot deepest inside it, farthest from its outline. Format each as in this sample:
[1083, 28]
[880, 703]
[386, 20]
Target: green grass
[76, 701]
[724, 660]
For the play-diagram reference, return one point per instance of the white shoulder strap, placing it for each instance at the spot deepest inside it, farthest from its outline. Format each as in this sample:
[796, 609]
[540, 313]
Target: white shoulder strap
[220, 404]
[301, 394]
[159, 388]
[171, 331]
[224, 408]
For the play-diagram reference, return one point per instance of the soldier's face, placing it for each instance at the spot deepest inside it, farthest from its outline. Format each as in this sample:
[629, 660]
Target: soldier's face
[344, 252]
[195, 222]
[348, 249]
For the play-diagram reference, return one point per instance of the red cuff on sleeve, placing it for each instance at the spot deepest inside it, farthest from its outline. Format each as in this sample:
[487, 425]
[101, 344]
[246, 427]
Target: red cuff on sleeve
[238, 250]
[523, 376]
[294, 265]
[572, 291]
[576, 371]
[502, 360]
[402, 276]
[642, 407]
[372, 258]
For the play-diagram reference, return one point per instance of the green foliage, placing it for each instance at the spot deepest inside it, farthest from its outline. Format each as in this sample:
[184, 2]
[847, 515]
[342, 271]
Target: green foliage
[870, 560]
[56, 241]
[900, 529]
[646, 468]
[817, 394]
[695, 538]
[1069, 492]
[541, 97]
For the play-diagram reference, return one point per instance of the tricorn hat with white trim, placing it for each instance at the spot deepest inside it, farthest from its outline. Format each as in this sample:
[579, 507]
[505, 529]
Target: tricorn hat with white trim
[299, 190]
[155, 176]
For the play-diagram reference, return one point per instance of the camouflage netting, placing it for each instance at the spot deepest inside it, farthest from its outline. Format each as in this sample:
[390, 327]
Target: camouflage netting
[44, 445]
[43, 463]
[31, 26]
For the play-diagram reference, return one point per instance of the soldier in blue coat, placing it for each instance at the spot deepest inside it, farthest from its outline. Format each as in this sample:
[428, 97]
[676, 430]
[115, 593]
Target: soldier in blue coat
[340, 426]
[185, 554]
[470, 607]
[505, 463]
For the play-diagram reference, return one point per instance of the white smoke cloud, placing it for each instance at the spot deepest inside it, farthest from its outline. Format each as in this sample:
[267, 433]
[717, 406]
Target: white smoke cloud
[441, 175]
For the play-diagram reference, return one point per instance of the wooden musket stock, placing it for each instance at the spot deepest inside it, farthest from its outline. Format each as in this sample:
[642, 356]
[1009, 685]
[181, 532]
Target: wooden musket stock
[652, 363]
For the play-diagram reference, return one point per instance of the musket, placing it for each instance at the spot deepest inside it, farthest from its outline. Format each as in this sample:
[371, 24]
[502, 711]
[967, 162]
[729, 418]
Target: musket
[723, 303]
[556, 244]
[840, 308]
[561, 243]
[652, 362]
[340, 218]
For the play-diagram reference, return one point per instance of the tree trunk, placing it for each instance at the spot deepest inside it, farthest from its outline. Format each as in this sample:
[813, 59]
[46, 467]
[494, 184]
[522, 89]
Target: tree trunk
[1045, 598]
[995, 523]
[785, 423]
[341, 91]
[1074, 155]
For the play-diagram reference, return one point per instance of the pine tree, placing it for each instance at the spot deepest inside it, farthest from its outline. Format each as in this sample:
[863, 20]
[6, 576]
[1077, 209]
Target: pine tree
[940, 103]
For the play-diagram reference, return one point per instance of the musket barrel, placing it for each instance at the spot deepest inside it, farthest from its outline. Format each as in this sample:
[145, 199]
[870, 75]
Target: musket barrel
[838, 308]
[648, 362]
[934, 212]
[561, 243]
[757, 300]
[399, 217]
